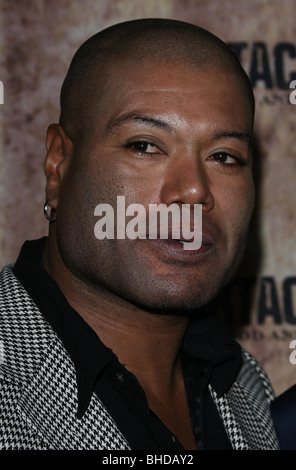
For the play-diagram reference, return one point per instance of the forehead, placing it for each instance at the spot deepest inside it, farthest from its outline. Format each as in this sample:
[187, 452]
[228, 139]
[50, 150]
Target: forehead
[160, 87]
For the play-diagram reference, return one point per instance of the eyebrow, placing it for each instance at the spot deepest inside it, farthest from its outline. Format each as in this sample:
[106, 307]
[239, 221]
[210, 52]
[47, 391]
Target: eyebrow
[132, 117]
[243, 136]
[156, 122]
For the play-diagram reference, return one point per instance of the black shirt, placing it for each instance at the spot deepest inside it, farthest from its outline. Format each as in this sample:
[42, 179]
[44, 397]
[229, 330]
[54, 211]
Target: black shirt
[208, 355]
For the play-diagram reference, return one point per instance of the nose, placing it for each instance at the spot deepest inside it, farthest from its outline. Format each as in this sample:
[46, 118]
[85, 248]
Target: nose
[186, 182]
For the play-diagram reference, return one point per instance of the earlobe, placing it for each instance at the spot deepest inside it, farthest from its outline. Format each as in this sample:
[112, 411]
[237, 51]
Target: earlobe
[59, 151]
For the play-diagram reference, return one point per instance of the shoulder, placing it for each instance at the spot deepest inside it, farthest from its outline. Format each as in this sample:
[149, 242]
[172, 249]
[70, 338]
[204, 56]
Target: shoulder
[245, 408]
[24, 332]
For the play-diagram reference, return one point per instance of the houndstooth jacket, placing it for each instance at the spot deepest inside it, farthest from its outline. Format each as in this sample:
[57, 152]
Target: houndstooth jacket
[38, 391]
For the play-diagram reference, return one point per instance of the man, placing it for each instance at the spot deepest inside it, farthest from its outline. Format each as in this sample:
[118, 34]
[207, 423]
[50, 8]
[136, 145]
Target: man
[106, 343]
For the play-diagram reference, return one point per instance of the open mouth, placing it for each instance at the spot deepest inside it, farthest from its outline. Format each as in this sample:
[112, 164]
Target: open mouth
[182, 249]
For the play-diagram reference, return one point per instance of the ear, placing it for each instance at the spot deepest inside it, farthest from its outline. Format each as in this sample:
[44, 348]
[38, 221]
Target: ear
[59, 152]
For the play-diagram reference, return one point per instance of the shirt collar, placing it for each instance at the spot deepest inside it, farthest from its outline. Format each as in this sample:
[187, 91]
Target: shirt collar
[205, 340]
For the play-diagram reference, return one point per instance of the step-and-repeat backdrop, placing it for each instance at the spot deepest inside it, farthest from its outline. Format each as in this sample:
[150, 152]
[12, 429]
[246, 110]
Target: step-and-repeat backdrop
[37, 41]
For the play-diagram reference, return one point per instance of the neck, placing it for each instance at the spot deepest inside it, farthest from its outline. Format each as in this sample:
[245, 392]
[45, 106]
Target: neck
[146, 343]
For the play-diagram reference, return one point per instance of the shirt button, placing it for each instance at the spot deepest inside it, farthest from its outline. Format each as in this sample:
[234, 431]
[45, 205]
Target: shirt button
[120, 376]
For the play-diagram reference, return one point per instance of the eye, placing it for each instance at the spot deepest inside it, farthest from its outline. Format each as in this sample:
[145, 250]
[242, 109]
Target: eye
[143, 148]
[225, 158]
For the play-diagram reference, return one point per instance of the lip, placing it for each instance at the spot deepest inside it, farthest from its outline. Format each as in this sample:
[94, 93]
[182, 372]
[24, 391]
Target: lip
[173, 250]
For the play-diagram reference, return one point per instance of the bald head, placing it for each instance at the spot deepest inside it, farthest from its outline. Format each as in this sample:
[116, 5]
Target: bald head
[137, 42]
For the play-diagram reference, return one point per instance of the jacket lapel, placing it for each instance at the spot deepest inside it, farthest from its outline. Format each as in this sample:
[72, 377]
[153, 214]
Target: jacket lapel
[36, 362]
[50, 403]
[244, 409]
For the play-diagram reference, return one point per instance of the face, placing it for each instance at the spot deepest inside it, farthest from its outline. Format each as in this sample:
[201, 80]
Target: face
[164, 133]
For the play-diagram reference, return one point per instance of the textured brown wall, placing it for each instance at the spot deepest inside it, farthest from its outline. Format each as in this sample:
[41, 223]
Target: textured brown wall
[37, 41]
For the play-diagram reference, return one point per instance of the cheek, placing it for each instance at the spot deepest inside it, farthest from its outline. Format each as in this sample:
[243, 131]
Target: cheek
[137, 187]
[236, 204]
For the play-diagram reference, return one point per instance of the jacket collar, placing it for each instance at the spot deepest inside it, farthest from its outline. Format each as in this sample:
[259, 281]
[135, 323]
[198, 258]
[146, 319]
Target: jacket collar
[49, 403]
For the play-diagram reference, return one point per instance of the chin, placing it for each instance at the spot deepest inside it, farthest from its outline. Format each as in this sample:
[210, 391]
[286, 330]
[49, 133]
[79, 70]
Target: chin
[186, 296]
[173, 300]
